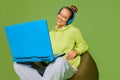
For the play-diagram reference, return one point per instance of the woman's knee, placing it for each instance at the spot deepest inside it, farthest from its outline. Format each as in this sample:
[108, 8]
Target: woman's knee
[61, 61]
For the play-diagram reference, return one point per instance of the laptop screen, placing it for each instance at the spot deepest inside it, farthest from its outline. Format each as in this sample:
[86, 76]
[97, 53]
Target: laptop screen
[29, 41]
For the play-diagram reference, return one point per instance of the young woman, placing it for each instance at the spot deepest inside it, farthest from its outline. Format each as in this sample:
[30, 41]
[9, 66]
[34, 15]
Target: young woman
[64, 38]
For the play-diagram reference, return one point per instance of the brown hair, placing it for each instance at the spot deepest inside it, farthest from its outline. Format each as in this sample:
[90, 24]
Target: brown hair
[74, 8]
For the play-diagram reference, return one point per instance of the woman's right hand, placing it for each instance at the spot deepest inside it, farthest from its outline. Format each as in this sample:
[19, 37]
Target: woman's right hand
[71, 55]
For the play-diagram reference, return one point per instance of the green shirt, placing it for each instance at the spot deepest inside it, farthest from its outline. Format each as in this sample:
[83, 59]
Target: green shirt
[66, 39]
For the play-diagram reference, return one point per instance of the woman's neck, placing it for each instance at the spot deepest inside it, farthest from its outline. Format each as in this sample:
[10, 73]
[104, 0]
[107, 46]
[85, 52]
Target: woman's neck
[59, 27]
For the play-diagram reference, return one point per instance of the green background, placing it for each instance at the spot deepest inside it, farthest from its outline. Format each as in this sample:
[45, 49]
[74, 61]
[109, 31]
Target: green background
[98, 20]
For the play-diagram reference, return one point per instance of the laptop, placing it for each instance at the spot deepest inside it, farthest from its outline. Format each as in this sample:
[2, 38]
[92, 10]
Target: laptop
[30, 42]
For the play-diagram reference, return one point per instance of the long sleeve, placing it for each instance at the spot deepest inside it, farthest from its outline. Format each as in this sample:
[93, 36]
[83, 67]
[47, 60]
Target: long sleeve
[81, 45]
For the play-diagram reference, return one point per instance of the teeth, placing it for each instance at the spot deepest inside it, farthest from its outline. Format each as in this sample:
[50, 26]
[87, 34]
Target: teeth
[59, 21]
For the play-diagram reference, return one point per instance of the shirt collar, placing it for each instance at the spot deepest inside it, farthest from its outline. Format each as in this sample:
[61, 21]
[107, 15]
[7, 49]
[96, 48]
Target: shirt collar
[63, 28]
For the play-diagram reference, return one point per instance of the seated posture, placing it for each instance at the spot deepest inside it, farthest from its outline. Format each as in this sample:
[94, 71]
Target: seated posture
[64, 38]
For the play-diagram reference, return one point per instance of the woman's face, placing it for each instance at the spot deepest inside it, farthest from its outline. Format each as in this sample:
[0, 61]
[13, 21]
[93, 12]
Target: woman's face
[63, 17]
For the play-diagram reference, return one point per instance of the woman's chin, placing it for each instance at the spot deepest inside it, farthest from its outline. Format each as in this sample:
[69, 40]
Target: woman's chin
[58, 23]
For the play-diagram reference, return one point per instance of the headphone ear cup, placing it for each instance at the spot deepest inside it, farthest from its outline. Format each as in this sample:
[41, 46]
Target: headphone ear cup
[69, 21]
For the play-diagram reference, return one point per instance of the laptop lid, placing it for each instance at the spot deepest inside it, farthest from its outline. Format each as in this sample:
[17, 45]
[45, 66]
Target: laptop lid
[30, 41]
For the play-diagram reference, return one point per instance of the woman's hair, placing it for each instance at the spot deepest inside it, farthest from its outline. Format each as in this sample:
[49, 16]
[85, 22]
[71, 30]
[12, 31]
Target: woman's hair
[74, 8]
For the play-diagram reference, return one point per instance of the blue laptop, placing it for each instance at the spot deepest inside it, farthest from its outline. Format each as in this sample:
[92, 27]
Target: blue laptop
[30, 42]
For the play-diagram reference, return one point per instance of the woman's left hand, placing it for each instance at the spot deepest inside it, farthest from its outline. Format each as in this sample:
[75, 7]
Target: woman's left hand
[71, 55]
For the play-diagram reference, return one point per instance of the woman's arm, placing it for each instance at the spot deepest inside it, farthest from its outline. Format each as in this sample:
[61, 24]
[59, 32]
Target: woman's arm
[80, 45]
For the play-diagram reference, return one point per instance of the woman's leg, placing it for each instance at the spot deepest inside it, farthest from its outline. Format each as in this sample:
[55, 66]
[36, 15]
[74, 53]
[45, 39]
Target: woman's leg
[58, 70]
[26, 72]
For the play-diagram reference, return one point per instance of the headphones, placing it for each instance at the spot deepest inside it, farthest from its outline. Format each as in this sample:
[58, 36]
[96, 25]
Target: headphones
[72, 17]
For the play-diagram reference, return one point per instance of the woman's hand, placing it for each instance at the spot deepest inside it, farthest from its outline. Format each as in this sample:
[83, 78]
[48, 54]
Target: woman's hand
[71, 55]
